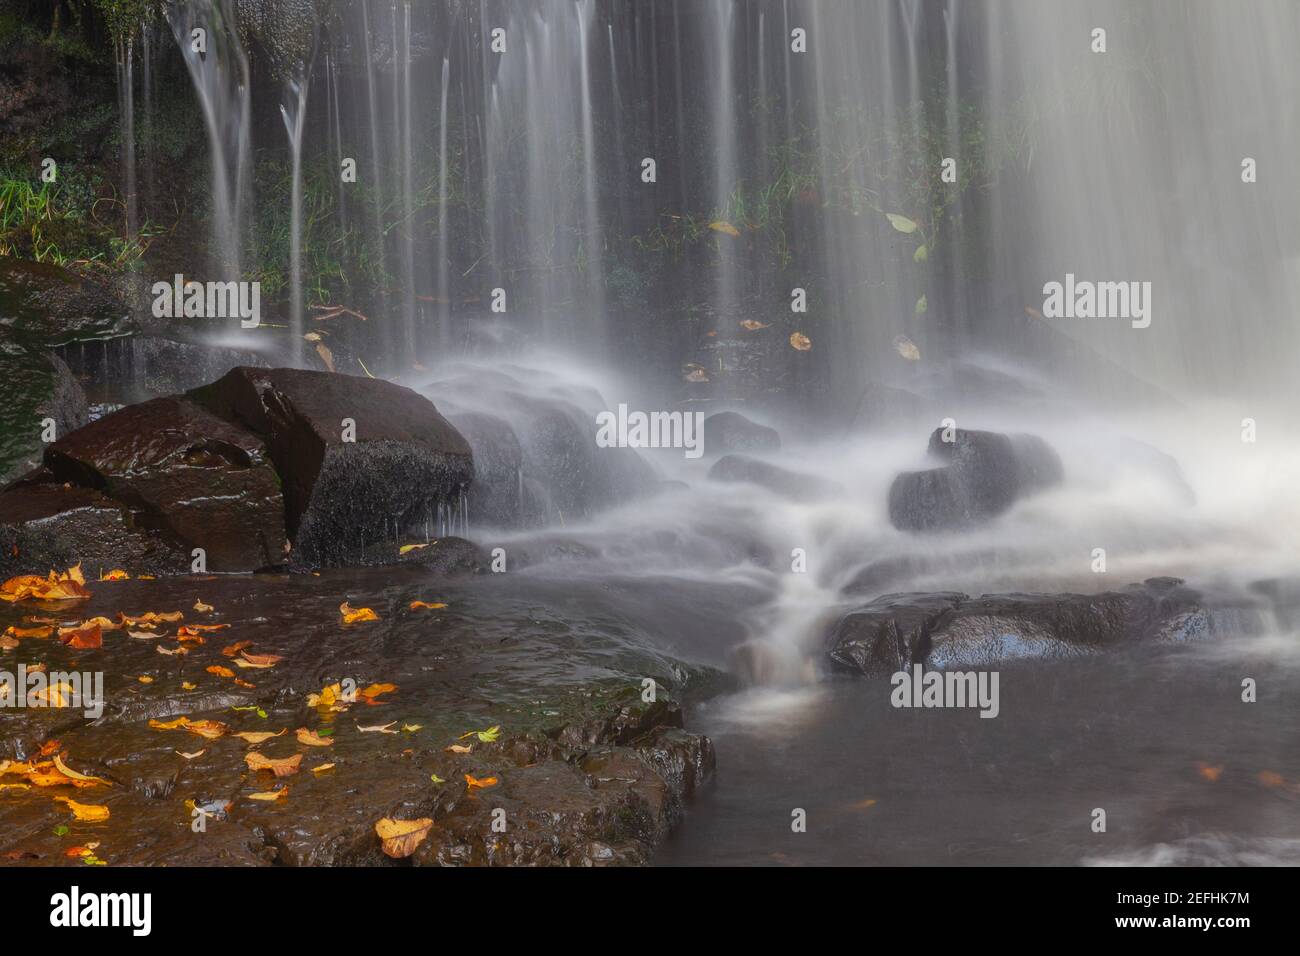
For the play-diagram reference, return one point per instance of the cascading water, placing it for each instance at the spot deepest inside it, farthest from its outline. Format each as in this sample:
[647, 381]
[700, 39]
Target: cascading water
[207, 36]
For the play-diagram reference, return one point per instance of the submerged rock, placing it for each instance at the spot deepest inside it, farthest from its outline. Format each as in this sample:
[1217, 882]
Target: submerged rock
[199, 480]
[789, 484]
[984, 474]
[358, 457]
[731, 431]
[953, 630]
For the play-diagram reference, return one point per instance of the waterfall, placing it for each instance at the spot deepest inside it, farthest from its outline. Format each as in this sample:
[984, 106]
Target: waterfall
[219, 69]
[126, 107]
[444, 286]
[293, 109]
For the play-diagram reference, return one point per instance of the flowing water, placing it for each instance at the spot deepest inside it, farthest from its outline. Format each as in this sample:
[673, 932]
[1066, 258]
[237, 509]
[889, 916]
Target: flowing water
[1119, 164]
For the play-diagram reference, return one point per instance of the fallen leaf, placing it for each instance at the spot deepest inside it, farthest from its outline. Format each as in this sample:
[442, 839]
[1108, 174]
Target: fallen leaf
[1209, 773]
[68, 586]
[800, 341]
[377, 729]
[186, 685]
[68, 772]
[322, 768]
[411, 728]
[326, 355]
[193, 756]
[415, 605]
[117, 574]
[283, 767]
[401, 838]
[436, 779]
[259, 736]
[84, 811]
[311, 739]
[211, 729]
[235, 648]
[145, 679]
[472, 782]
[173, 651]
[753, 325]
[459, 749]
[376, 690]
[351, 615]
[408, 548]
[203, 608]
[221, 671]
[486, 736]
[271, 795]
[82, 638]
[41, 631]
[1270, 778]
[725, 228]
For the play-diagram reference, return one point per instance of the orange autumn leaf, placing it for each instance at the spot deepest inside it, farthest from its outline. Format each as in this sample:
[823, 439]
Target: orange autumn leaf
[210, 729]
[235, 648]
[311, 739]
[173, 651]
[68, 586]
[402, 837]
[117, 574]
[203, 608]
[40, 631]
[84, 811]
[458, 749]
[151, 618]
[472, 781]
[176, 724]
[415, 605]
[284, 767]
[800, 341]
[355, 615]
[82, 638]
[258, 660]
[221, 671]
[375, 690]
[1269, 778]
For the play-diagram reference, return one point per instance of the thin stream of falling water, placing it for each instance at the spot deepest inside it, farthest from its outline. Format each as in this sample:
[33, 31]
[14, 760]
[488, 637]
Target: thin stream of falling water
[444, 285]
[294, 113]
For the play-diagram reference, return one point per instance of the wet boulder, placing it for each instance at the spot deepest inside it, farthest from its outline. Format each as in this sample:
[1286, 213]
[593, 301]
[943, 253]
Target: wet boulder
[954, 631]
[497, 496]
[49, 524]
[983, 474]
[182, 471]
[360, 460]
[788, 484]
[41, 392]
[731, 431]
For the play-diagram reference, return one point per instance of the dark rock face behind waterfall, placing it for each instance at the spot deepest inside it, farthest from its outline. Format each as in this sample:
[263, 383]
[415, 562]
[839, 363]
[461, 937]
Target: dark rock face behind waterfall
[953, 630]
[983, 475]
[240, 468]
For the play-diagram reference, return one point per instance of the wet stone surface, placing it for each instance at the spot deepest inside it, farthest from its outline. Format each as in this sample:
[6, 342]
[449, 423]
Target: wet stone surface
[586, 772]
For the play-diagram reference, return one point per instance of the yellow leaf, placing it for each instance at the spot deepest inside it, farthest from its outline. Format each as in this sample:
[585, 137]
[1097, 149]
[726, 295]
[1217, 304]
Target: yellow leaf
[408, 548]
[203, 608]
[800, 341]
[117, 574]
[193, 756]
[724, 227]
[459, 749]
[67, 772]
[402, 837]
[415, 605]
[322, 768]
[271, 795]
[354, 615]
[377, 729]
[84, 811]
[472, 782]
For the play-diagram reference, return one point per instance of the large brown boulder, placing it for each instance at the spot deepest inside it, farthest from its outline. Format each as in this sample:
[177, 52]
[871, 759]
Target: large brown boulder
[201, 480]
[362, 460]
[46, 524]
